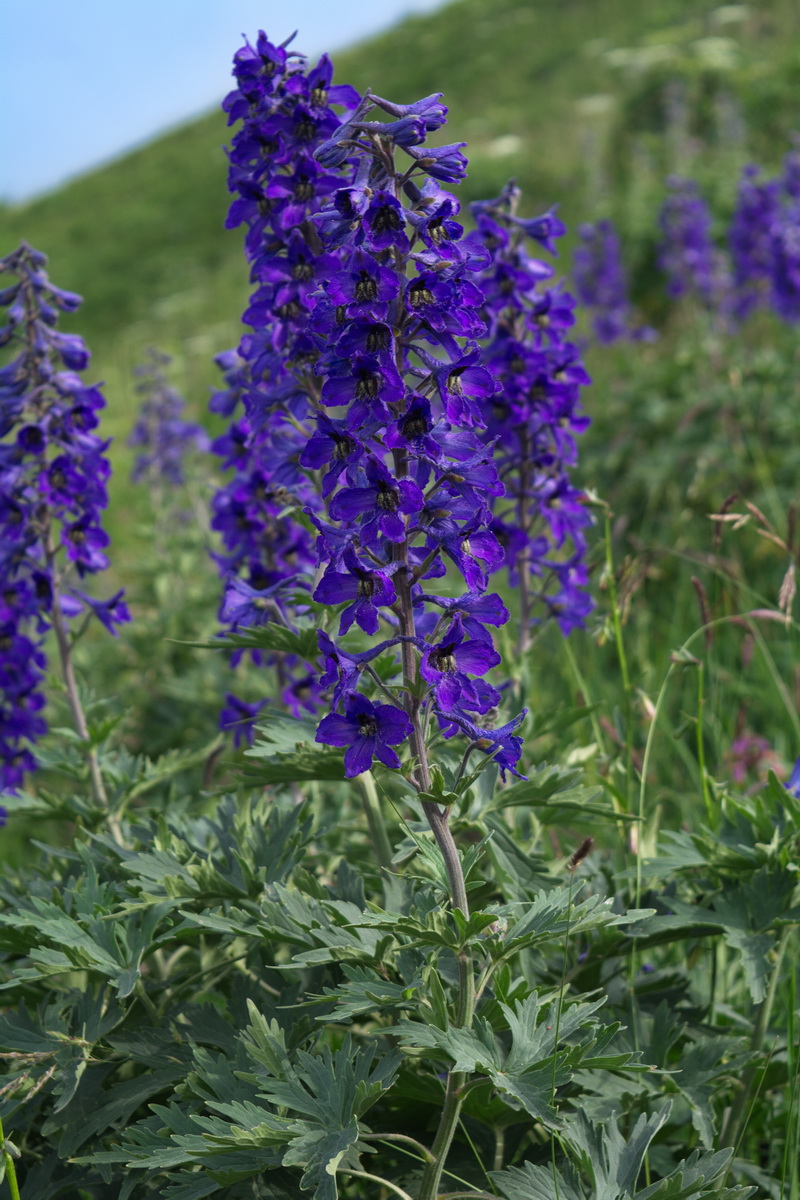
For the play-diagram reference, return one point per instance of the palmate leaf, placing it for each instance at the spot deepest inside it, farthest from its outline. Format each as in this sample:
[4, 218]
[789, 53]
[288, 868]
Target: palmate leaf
[288, 753]
[304, 765]
[113, 948]
[555, 789]
[597, 1153]
[701, 1067]
[746, 913]
[232, 855]
[527, 1071]
[274, 637]
[366, 991]
[554, 914]
[323, 1097]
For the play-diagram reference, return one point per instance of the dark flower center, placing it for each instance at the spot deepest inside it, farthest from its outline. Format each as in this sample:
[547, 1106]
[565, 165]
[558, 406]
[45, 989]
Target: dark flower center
[444, 659]
[343, 448]
[367, 386]
[385, 218]
[302, 271]
[289, 310]
[413, 426]
[305, 130]
[367, 587]
[369, 726]
[77, 536]
[318, 97]
[366, 287]
[378, 338]
[419, 294]
[454, 383]
[437, 232]
[304, 190]
[387, 498]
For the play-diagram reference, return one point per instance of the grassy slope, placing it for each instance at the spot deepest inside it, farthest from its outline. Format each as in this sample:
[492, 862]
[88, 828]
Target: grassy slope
[143, 240]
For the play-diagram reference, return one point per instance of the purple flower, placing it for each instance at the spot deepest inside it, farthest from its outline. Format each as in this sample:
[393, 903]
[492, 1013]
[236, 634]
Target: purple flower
[601, 283]
[368, 589]
[686, 252]
[239, 716]
[162, 435]
[750, 238]
[379, 504]
[501, 743]
[442, 162]
[246, 605]
[445, 666]
[53, 471]
[110, 613]
[793, 782]
[368, 730]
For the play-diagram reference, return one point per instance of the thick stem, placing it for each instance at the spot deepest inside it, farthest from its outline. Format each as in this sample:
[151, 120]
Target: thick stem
[438, 820]
[432, 1175]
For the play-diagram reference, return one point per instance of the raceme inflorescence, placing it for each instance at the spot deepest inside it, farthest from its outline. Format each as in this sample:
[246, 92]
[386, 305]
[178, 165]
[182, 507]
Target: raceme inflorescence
[53, 473]
[404, 413]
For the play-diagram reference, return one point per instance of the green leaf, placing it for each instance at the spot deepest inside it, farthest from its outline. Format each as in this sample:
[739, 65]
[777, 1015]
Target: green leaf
[273, 637]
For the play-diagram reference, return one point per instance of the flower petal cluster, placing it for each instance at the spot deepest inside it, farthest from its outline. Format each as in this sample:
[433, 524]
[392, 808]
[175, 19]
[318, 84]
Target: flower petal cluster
[53, 473]
[161, 434]
[601, 283]
[361, 383]
[686, 253]
[285, 113]
[533, 414]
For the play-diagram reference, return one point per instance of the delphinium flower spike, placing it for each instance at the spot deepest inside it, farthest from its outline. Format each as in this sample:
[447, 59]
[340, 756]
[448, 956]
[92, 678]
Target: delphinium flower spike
[365, 403]
[687, 254]
[751, 240]
[53, 472]
[534, 417]
[285, 110]
[785, 247]
[161, 434]
[601, 284]
[398, 323]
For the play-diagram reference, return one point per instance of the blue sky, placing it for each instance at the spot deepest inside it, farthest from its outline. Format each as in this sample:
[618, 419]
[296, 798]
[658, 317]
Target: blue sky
[82, 81]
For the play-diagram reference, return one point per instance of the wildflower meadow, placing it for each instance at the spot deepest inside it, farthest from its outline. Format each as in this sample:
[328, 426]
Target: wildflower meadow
[401, 771]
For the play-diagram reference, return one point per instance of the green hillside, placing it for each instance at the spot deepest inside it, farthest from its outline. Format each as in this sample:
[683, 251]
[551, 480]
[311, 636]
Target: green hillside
[570, 96]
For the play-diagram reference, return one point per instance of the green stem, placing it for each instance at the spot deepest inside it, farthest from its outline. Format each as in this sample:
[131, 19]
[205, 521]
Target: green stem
[399, 1137]
[701, 752]
[377, 1179]
[75, 706]
[11, 1170]
[733, 1130]
[431, 1176]
[616, 624]
[499, 1147]
[378, 835]
[377, 829]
